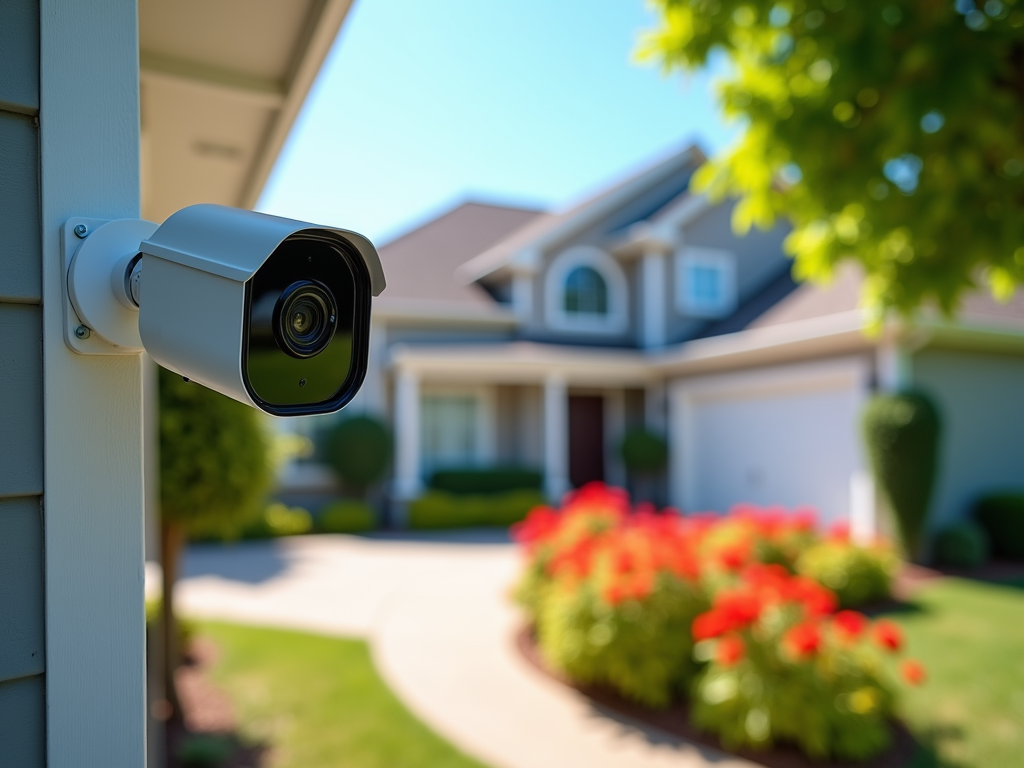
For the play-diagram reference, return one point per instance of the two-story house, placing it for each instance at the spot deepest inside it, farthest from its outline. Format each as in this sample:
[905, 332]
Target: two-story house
[511, 336]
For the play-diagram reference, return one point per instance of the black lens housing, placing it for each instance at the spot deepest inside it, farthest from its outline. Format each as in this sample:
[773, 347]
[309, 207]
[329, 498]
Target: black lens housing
[312, 302]
[312, 365]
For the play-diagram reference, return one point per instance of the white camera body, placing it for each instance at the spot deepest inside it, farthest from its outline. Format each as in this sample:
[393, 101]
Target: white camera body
[272, 312]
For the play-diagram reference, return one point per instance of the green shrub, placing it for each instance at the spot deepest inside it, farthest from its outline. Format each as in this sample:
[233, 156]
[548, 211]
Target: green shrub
[643, 451]
[642, 648]
[961, 545]
[1002, 517]
[788, 679]
[902, 436]
[346, 516]
[857, 575]
[477, 481]
[204, 750]
[214, 462]
[280, 520]
[358, 449]
[438, 509]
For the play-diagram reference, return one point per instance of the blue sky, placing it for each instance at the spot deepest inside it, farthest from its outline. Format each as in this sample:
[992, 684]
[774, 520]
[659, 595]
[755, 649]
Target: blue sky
[422, 105]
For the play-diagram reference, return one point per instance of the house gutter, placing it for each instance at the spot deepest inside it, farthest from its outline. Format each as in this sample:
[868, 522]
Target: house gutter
[837, 334]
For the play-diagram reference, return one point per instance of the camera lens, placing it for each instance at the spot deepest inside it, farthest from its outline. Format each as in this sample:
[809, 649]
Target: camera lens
[305, 318]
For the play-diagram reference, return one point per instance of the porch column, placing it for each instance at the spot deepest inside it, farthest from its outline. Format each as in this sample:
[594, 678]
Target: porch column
[407, 483]
[655, 408]
[556, 436]
[652, 318]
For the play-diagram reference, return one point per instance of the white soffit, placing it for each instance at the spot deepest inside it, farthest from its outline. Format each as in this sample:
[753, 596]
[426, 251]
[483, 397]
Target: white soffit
[221, 84]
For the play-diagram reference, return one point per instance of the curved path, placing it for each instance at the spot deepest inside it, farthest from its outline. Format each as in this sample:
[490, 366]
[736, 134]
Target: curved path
[436, 612]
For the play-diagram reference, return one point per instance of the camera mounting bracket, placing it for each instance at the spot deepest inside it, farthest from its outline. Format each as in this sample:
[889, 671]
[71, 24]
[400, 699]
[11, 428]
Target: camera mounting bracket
[100, 317]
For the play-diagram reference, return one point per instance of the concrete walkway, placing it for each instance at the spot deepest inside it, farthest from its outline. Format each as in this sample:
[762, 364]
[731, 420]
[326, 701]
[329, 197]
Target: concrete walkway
[436, 612]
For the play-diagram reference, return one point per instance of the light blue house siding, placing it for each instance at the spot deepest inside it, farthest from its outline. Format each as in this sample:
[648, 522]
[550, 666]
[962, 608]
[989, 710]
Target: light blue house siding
[981, 396]
[22, 663]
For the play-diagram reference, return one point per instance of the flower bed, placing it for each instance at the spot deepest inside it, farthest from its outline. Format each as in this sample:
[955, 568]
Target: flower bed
[733, 613]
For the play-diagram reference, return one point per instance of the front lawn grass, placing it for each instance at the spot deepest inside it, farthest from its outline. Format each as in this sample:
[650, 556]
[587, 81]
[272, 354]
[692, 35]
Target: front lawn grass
[318, 702]
[970, 635]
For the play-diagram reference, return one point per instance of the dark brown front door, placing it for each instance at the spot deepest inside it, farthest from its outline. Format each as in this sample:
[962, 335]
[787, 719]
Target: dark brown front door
[586, 439]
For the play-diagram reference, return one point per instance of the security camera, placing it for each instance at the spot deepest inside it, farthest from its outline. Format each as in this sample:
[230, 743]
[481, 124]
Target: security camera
[272, 312]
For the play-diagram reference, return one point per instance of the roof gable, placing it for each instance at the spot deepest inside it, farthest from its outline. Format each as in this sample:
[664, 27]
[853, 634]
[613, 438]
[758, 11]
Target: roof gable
[615, 207]
[421, 263]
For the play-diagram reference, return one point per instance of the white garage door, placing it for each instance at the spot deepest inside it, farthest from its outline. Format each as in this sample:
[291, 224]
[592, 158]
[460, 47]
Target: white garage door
[787, 435]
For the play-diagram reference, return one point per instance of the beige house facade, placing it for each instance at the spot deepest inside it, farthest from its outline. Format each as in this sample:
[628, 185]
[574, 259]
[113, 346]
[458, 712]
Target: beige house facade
[526, 338]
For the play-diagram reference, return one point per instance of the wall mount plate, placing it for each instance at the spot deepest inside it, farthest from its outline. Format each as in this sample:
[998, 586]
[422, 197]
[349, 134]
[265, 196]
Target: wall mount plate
[95, 321]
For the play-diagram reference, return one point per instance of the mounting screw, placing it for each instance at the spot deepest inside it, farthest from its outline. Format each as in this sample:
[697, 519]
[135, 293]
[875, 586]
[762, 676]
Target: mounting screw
[81, 332]
[81, 230]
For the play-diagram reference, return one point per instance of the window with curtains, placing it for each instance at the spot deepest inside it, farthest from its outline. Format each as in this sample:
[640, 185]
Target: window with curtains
[449, 431]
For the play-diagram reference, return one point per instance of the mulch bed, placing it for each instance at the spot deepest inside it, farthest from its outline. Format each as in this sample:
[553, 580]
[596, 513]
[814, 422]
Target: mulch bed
[676, 721]
[207, 711]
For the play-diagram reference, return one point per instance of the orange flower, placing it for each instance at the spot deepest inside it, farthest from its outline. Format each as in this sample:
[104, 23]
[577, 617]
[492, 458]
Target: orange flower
[614, 594]
[803, 640]
[888, 635]
[913, 671]
[730, 650]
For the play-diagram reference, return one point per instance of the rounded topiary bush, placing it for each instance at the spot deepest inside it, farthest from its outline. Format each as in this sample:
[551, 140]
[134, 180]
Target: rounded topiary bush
[1002, 517]
[902, 436]
[643, 451]
[961, 545]
[359, 451]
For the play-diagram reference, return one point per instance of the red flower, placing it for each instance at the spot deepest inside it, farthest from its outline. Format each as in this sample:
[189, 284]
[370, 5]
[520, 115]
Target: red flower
[803, 640]
[850, 625]
[538, 525]
[804, 519]
[816, 599]
[913, 671]
[739, 608]
[734, 556]
[730, 650]
[709, 625]
[839, 531]
[888, 635]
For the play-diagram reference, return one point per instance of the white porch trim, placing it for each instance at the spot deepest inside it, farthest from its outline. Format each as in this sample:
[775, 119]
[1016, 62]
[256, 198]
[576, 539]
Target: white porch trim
[93, 463]
[653, 285]
[407, 482]
[556, 436]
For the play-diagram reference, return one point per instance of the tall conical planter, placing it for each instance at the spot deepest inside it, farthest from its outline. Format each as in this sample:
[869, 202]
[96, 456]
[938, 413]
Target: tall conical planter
[902, 434]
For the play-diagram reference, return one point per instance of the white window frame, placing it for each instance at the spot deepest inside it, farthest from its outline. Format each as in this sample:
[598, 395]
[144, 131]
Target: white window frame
[614, 321]
[722, 261]
[486, 421]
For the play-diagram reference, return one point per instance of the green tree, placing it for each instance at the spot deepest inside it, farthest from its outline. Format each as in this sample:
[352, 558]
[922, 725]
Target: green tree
[359, 452]
[902, 434]
[214, 476]
[890, 132]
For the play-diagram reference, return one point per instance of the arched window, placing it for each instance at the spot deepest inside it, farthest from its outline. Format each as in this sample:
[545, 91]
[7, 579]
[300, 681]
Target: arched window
[586, 292]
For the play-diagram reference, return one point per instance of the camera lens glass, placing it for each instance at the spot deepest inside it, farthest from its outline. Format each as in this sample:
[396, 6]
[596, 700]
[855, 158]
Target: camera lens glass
[305, 318]
[307, 325]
